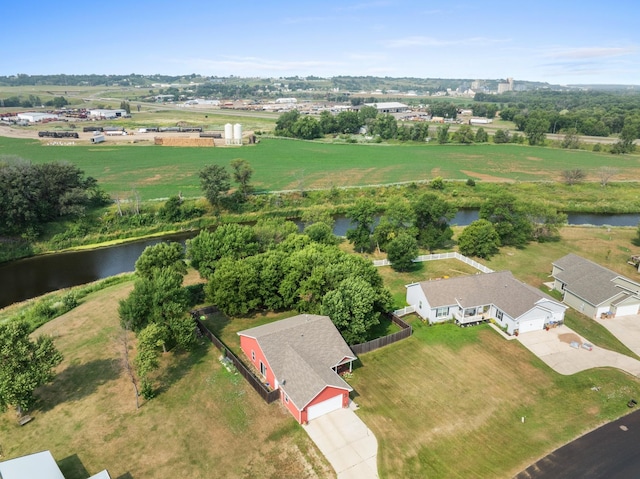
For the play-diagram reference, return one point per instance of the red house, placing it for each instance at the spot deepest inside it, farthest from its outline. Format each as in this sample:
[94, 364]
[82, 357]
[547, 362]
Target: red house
[302, 357]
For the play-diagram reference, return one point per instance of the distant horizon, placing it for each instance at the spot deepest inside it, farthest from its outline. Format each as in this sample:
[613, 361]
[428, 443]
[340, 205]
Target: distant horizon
[304, 77]
[561, 43]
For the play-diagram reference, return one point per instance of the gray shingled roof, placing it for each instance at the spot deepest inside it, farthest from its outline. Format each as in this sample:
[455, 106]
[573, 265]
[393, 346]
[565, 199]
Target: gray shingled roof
[501, 289]
[301, 351]
[586, 279]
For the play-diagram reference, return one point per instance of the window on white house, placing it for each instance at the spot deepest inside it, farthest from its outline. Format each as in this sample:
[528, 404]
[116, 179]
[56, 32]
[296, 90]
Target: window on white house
[442, 312]
[498, 314]
[263, 369]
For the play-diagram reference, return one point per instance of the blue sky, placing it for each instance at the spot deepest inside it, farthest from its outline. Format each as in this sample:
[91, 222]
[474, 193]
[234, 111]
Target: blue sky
[560, 42]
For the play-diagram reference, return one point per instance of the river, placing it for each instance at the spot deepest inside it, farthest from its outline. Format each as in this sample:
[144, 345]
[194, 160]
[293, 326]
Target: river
[32, 277]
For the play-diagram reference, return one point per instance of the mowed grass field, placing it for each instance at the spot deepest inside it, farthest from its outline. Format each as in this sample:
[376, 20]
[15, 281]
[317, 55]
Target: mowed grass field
[159, 172]
[204, 423]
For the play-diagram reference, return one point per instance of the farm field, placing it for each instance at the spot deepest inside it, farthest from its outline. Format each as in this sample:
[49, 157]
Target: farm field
[159, 172]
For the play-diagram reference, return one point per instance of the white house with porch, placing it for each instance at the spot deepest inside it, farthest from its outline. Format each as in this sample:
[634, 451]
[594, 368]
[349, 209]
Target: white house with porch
[468, 300]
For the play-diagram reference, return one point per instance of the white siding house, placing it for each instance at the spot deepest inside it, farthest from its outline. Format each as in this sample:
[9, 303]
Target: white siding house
[593, 289]
[514, 305]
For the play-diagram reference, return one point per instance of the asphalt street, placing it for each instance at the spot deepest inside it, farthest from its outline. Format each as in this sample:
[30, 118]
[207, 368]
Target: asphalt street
[611, 451]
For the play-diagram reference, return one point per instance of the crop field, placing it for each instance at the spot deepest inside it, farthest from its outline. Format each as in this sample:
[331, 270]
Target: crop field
[158, 172]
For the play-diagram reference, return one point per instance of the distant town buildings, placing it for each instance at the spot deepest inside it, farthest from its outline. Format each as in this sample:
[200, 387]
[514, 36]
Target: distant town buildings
[504, 87]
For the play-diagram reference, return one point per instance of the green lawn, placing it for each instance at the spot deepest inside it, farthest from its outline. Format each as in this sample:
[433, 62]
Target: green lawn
[448, 403]
[158, 172]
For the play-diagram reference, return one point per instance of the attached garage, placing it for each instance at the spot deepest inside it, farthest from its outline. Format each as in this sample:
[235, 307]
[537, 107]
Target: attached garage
[531, 325]
[626, 310]
[324, 407]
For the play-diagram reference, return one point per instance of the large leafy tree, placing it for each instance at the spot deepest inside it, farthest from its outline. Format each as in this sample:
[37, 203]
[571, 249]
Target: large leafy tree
[432, 220]
[162, 255]
[399, 217]
[24, 365]
[536, 128]
[351, 307]
[31, 195]
[214, 181]
[230, 240]
[509, 218]
[362, 214]
[479, 239]
[401, 251]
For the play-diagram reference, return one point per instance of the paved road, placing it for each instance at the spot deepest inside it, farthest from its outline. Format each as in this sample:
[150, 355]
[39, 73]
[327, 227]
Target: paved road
[610, 452]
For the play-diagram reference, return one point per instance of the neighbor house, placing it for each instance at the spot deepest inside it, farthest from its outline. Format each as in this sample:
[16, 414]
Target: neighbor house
[40, 465]
[514, 305]
[303, 357]
[593, 289]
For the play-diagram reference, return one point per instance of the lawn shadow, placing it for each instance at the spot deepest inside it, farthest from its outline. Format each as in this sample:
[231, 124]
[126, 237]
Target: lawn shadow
[77, 381]
[181, 364]
[72, 467]
[126, 475]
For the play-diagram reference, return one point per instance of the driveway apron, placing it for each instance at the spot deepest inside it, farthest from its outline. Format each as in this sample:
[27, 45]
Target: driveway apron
[346, 442]
[554, 348]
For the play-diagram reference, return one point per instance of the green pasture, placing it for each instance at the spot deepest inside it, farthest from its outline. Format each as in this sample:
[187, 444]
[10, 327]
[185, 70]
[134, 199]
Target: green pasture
[158, 172]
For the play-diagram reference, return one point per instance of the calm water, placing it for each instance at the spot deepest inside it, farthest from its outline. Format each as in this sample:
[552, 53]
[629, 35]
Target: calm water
[35, 276]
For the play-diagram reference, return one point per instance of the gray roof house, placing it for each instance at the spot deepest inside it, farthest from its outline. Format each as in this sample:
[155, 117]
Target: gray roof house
[301, 356]
[513, 304]
[593, 289]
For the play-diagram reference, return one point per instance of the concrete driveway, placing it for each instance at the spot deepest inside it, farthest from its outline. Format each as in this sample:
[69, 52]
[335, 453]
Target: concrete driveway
[346, 442]
[626, 329]
[554, 348]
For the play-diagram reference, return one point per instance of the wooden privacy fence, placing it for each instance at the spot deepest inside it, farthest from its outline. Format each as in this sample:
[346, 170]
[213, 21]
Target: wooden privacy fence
[385, 340]
[265, 393]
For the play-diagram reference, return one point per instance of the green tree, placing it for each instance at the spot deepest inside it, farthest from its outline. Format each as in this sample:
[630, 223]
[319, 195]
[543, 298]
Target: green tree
[321, 233]
[24, 365]
[242, 173]
[479, 239]
[162, 255]
[398, 217]
[433, 215]
[481, 136]
[214, 181]
[306, 128]
[229, 240]
[546, 222]
[626, 142]
[285, 122]
[401, 251]
[442, 134]
[464, 134]
[536, 129]
[509, 218]
[386, 126]
[328, 123]
[351, 307]
[348, 122]
[501, 136]
[362, 214]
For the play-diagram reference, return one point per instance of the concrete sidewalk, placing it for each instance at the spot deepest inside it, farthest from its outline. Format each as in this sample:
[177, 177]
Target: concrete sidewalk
[346, 442]
[554, 348]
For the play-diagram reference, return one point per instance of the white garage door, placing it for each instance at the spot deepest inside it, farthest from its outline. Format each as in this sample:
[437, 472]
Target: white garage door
[627, 310]
[531, 325]
[324, 407]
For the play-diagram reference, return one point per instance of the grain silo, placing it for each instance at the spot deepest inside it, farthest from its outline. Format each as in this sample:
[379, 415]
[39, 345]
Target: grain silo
[237, 134]
[228, 134]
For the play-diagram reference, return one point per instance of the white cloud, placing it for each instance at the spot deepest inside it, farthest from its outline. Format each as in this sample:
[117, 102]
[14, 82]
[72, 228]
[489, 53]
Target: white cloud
[420, 41]
[592, 52]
